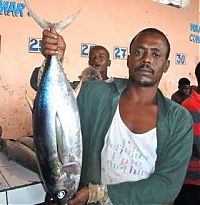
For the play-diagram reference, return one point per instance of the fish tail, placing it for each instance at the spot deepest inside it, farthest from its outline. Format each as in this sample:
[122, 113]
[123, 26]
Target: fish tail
[45, 25]
[61, 25]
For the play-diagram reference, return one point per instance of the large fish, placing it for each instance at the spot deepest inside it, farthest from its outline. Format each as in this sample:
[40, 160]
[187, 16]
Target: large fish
[19, 153]
[20, 150]
[56, 126]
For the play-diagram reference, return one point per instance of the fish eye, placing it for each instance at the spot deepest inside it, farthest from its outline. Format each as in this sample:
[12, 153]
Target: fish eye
[61, 194]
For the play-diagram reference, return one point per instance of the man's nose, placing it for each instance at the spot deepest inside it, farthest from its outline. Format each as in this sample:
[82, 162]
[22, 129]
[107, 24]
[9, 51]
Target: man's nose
[146, 58]
[96, 61]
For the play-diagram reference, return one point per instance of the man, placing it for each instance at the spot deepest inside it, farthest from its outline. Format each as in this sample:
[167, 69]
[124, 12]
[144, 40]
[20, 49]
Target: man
[99, 58]
[190, 192]
[99, 61]
[136, 142]
[184, 91]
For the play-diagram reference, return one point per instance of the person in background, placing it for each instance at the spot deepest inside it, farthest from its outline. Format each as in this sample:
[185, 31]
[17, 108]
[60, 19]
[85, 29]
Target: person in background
[190, 192]
[136, 143]
[99, 61]
[99, 58]
[184, 91]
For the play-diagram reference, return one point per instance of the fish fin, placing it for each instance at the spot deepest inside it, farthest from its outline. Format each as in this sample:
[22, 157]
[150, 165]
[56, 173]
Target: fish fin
[78, 88]
[59, 138]
[29, 100]
[72, 168]
[61, 25]
[44, 24]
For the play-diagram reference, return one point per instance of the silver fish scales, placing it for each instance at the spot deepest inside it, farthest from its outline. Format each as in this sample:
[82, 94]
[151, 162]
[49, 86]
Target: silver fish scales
[56, 128]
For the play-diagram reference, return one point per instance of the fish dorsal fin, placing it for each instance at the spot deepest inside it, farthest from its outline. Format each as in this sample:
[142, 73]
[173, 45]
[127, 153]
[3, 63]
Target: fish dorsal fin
[59, 138]
[29, 100]
[45, 25]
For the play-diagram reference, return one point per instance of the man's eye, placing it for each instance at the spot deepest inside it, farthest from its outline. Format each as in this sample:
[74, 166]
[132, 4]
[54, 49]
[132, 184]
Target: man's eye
[157, 55]
[137, 53]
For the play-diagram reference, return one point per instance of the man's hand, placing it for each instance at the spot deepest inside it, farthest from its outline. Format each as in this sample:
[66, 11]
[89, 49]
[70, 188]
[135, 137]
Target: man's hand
[53, 43]
[80, 198]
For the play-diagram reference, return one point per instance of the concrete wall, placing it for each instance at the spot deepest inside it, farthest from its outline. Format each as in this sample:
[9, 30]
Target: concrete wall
[107, 22]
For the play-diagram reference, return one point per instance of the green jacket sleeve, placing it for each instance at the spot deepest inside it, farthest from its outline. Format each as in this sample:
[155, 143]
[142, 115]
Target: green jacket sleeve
[164, 184]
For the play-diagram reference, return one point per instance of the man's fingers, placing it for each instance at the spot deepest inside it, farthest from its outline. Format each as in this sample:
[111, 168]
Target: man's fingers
[52, 43]
[49, 41]
[49, 34]
[52, 29]
[49, 52]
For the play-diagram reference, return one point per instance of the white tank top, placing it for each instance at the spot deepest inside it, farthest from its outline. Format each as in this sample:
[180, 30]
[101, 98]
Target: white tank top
[127, 156]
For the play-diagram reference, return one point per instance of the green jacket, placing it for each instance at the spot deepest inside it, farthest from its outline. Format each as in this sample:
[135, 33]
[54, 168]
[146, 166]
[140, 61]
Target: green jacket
[97, 103]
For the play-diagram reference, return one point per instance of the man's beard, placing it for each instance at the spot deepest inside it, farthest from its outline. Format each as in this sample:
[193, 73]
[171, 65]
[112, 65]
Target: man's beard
[140, 83]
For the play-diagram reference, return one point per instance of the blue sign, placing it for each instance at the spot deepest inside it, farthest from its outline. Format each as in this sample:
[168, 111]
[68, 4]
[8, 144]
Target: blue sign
[12, 8]
[120, 52]
[195, 38]
[194, 28]
[85, 49]
[35, 45]
[180, 58]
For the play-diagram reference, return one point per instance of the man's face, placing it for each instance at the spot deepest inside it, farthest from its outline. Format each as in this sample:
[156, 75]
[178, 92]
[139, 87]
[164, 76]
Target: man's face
[185, 90]
[99, 59]
[147, 60]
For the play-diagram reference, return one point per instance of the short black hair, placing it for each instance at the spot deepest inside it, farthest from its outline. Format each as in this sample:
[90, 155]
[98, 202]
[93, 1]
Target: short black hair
[197, 72]
[153, 30]
[98, 47]
[183, 81]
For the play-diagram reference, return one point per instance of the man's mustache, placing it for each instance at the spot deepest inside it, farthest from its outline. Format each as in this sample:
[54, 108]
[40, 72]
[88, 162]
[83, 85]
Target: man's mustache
[144, 67]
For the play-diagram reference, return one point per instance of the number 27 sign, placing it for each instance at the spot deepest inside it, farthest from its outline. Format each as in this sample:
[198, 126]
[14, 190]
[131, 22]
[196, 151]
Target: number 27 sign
[120, 52]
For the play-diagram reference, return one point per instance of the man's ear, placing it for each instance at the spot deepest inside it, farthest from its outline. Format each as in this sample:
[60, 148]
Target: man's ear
[109, 62]
[166, 66]
[128, 61]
